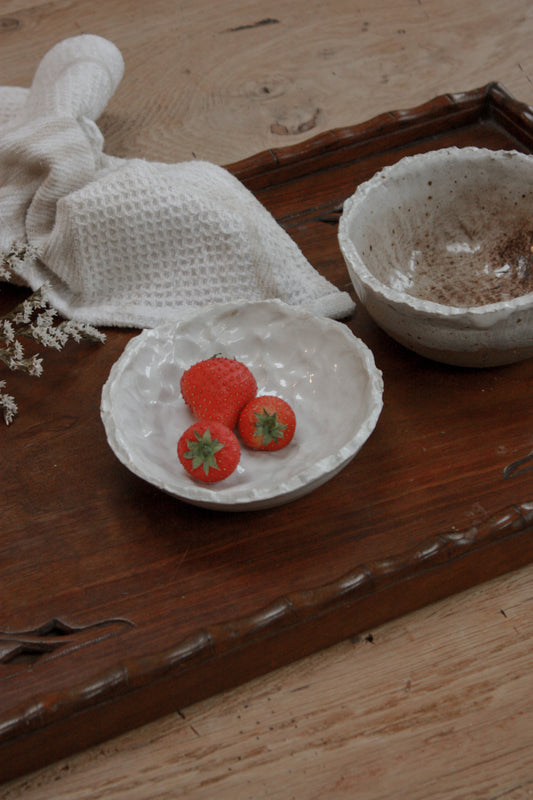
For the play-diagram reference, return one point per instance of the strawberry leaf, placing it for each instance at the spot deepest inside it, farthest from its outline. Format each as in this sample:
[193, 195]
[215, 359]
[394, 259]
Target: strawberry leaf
[268, 427]
[202, 450]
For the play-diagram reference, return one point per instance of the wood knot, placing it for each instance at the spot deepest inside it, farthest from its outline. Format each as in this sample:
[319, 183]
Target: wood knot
[9, 24]
[293, 130]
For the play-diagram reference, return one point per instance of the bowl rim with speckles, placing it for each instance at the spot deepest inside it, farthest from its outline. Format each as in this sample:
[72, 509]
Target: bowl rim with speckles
[407, 302]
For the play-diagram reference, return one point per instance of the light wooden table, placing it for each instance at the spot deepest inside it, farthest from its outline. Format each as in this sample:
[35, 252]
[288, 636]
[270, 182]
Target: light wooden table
[438, 704]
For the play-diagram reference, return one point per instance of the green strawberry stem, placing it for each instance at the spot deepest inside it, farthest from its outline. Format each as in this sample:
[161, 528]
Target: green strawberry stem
[268, 427]
[202, 451]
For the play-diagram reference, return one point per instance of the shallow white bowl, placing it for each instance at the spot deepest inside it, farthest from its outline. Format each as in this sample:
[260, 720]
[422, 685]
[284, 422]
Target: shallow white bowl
[317, 365]
[439, 248]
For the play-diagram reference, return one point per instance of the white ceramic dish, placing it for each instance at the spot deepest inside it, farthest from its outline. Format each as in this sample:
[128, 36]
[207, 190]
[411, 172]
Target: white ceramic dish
[316, 364]
[439, 247]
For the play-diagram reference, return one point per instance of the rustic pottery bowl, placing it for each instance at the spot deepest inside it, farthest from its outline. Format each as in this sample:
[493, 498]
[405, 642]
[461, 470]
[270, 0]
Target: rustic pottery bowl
[326, 373]
[439, 248]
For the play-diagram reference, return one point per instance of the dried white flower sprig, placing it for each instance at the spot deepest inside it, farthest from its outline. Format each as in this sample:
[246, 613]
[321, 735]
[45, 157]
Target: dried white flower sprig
[36, 320]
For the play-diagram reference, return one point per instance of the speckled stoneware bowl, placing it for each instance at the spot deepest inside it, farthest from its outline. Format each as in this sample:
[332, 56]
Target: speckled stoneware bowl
[439, 248]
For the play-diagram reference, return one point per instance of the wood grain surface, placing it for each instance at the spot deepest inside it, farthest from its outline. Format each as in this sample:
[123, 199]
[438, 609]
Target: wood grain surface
[436, 705]
[439, 703]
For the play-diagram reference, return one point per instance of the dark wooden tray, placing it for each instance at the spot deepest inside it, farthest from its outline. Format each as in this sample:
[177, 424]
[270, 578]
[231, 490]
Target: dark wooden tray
[119, 604]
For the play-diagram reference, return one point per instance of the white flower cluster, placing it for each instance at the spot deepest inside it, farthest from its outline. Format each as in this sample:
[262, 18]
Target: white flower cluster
[7, 404]
[33, 319]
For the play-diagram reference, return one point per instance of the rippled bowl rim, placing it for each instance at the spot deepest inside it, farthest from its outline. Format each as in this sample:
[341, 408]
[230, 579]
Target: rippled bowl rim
[410, 302]
[238, 498]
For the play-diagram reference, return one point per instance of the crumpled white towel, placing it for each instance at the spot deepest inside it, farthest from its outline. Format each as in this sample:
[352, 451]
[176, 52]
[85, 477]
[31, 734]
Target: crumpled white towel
[130, 242]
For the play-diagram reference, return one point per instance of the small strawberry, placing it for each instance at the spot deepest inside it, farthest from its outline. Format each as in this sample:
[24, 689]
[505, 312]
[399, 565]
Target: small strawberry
[267, 423]
[209, 451]
[217, 389]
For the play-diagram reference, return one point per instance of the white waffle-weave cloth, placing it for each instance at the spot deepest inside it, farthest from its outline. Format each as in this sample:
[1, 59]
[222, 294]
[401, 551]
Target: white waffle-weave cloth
[130, 242]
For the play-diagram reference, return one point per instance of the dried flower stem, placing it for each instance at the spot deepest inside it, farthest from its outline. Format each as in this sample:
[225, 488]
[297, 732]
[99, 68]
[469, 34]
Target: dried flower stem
[36, 320]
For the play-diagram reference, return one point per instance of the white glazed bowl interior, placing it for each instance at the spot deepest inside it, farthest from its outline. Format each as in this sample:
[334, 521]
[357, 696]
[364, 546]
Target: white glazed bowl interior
[439, 248]
[316, 364]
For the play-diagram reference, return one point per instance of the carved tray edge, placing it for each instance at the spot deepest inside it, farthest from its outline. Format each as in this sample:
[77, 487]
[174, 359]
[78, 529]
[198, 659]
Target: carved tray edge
[491, 100]
[283, 613]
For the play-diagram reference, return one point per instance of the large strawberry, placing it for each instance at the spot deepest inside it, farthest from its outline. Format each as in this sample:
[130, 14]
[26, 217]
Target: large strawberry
[267, 423]
[209, 451]
[217, 389]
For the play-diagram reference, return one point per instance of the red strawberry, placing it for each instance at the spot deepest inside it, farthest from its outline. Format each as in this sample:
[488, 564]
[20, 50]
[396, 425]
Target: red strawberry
[267, 423]
[217, 389]
[209, 451]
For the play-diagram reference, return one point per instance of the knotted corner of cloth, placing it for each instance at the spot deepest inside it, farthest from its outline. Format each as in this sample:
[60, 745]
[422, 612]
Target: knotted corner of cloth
[129, 242]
